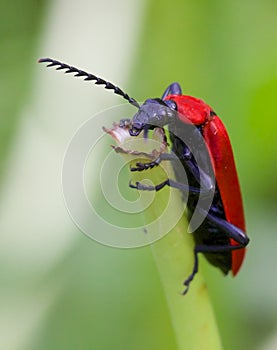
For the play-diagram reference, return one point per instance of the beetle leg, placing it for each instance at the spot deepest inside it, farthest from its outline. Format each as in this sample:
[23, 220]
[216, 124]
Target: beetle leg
[168, 182]
[207, 183]
[231, 231]
[194, 272]
[208, 249]
[144, 166]
[173, 89]
[206, 188]
[157, 161]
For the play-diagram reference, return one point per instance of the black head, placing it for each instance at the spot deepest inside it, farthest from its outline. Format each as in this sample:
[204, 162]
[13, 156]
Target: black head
[153, 113]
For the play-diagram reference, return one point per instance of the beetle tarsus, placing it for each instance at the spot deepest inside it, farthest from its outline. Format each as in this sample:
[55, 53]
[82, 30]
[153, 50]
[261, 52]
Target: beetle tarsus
[145, 166]
[194, 272]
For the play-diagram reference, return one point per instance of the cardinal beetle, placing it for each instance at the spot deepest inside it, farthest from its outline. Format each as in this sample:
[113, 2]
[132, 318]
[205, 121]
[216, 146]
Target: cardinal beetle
[221, 237]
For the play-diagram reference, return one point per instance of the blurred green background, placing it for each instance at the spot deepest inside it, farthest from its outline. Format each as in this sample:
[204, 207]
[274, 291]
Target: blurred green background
[61, 290]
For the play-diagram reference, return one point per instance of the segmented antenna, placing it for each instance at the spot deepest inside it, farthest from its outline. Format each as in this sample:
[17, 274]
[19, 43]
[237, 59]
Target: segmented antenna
[88, 76]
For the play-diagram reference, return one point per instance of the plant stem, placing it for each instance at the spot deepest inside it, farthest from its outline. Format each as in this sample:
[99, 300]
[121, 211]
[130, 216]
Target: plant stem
[192, 315]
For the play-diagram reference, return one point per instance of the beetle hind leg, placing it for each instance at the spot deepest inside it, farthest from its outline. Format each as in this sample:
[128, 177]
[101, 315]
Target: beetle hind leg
[194, 272]
[207, 249]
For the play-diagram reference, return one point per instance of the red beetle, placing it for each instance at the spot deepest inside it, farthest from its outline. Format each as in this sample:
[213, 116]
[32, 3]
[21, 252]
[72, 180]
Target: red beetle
[201, 143]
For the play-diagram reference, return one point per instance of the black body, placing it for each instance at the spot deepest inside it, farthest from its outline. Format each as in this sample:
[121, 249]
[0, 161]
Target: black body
[208, 233]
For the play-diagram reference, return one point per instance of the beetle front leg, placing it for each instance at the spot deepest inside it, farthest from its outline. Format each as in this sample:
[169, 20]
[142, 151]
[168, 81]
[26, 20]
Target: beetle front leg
[149, 165]
[162, 157]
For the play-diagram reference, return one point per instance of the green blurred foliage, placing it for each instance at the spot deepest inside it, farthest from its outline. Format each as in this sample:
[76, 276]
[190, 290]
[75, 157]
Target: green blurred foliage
[19, 31]
[106, 303]
[224, 52]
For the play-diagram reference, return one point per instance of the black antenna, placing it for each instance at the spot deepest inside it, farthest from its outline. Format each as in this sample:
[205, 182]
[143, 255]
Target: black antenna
[88, 76]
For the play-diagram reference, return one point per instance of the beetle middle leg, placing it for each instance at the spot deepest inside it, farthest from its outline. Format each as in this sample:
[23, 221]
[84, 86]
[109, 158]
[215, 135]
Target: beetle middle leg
[168, 182]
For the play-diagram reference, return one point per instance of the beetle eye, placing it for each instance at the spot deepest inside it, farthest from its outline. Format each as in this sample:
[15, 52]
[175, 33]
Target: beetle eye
[171, 104]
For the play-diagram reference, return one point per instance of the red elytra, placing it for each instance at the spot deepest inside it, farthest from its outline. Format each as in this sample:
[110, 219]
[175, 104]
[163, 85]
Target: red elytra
[219, 147]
